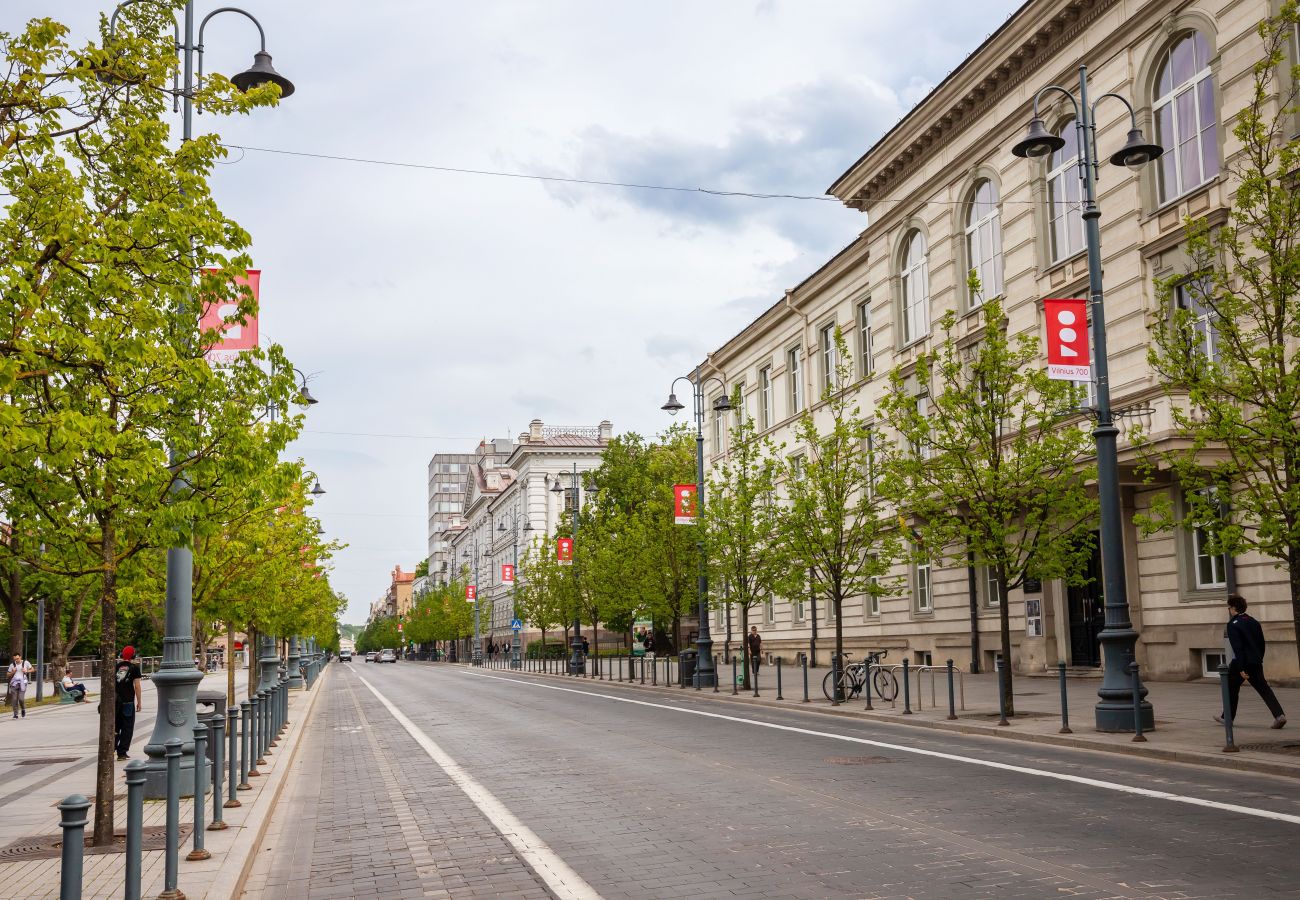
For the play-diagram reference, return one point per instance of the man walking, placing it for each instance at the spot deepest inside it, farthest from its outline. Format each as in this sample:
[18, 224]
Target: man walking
[754, 644]
[1245, 638]
[127, 677]
[18, 676]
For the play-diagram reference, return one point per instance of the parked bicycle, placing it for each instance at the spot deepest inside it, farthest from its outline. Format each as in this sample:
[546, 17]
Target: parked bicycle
[853, 677]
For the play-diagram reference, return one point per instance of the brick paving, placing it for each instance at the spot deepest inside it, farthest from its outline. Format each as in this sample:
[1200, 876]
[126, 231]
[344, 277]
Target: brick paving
[650, 802]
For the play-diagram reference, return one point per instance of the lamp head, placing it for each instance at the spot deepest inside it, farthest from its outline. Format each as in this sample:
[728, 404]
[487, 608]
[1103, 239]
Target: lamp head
[501, 526]
[673, 406]
[722, 404]
[1136, 152]
[316, 489]
[528, 526]
[1037, 142]
[555, 486]
[305, 397]
[259, 73]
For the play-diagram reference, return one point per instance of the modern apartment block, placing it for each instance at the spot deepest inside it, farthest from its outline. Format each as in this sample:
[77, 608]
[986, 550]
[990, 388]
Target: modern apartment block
[448, 483]
[942, 196]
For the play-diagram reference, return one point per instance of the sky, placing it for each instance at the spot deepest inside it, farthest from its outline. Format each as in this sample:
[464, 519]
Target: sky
[431, 309]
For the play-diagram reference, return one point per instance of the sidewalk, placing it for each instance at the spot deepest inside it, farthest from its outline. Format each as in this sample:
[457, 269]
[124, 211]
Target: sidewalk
[1185, 729]
[51, 754]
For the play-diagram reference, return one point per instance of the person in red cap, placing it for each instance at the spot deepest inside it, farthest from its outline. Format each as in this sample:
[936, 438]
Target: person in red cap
[127, 675]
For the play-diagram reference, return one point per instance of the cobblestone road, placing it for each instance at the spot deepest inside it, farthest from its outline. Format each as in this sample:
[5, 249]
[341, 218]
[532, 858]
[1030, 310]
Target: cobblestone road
[647, 801]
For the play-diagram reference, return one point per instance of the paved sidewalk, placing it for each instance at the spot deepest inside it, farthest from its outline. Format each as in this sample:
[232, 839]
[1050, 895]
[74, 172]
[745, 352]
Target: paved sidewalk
[64, 739]
[1185, 729]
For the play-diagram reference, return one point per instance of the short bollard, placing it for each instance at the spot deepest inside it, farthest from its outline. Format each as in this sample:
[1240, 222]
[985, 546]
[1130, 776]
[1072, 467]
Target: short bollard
[735, 678]
[1138, 736]
[171, 847]
[198, 852]
[907, 690]
[952, 698]
[643, 670]
[1065, 703]
[232, 762]
[135, 778]
[867, 674]
[255, 751]
[217, 734]
[273, 716]
[1228, 745]
[1002, 694]
[72, 819]
[837, 686]
[803, 659]
[716, 667]
[755, 661]
[245, 745]
[654, 673]
[778, 679]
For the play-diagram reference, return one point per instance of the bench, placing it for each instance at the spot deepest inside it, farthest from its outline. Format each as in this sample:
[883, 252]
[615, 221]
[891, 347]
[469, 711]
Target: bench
[64, 696]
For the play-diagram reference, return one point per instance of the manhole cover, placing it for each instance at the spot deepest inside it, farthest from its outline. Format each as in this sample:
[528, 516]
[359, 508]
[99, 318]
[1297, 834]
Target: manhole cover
[857, 760]
[46, 760]
[1288, 748]
[50, 846]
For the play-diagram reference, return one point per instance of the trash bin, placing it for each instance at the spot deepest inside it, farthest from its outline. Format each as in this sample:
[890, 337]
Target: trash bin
[210, 705]
[686, 666]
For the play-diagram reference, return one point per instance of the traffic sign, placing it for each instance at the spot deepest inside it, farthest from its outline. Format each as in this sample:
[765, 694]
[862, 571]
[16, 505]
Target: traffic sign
[516, 625]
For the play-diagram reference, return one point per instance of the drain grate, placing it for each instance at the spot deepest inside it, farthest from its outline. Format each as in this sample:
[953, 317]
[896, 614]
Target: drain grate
[50, 846]
[1286, 748]
[47, 760]
[857, 760]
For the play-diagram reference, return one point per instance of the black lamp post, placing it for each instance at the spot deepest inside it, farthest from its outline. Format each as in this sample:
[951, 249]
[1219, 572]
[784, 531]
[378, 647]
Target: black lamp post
[1114, 712]
[577, 661]
[476, 652]
[706, 675]
[177, 679]
[515, 657]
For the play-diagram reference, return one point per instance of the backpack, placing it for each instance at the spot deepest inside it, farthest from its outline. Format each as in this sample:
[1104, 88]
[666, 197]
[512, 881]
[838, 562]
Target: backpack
[18, 680]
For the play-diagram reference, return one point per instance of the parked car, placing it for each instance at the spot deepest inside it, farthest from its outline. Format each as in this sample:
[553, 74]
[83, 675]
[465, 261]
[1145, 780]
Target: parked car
[371, 656]
[345, 656]
[387, 655]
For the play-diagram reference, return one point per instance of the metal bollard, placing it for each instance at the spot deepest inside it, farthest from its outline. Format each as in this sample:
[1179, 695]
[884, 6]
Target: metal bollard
[72, 819]
[1002, 697]
[778, 679]
[135, 778]
[952, 698]
[1065, 703]
[173, 840]
[200, 790]
[245, 745]
[1138, 736]
[654, 673]
[255, 751]
[1228, 745]
[217, 732]
[755, 677]
[232, 763]
[715, 673]
[803, 659]
[273, 713]
[907, 691]
[866, 666]
[735, 678]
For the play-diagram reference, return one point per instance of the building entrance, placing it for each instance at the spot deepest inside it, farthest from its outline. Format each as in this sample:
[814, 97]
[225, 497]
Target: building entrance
[1087, 613]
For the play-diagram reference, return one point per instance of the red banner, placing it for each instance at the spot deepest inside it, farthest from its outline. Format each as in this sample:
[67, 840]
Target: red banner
[1067, 339]
[507, 574]
[399, 627]
[471, 592]
[222, 315]
[685, 500]
[564, 550]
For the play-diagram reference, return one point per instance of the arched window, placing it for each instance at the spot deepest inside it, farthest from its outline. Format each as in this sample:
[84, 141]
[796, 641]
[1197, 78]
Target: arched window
[916, 289]
[1065, 196]
[1186, 123]
[984, 241]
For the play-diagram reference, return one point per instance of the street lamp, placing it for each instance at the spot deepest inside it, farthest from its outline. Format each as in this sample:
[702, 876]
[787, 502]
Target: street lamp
[476, 652]
[177, 679]
[705, 674]
[515, 658]
[1114, 711]
[316, 489]
[577, 662]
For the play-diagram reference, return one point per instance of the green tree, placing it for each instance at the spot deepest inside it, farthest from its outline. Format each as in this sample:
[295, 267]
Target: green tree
[1226, 342]
[989, 475]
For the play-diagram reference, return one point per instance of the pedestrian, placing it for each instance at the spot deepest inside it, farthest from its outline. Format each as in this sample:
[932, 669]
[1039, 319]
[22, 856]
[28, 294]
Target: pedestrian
[586, 646]
[19, 676]
[1244, 639]
[74, 689]
[754, 643]
[127, 676]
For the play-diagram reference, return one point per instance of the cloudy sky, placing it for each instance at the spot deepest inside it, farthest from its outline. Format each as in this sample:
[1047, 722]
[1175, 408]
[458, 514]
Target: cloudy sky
[434, 309]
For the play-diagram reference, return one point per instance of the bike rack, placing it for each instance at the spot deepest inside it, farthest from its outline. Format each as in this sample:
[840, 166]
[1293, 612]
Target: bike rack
[893, 669]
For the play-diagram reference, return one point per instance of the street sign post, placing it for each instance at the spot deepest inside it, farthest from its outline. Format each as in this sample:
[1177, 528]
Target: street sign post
[516, 625]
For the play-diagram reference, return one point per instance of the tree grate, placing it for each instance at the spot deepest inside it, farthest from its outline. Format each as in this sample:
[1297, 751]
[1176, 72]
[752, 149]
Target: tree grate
[47, 760]
[50, 846]
[1286, 748]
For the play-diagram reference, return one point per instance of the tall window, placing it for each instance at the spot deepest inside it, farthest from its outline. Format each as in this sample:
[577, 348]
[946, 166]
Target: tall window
[1211, 568]
[869, 460]
[866, 363]
[873, 595]
[830, 359]
[1190, 295]
[765, 397]
[794, 369]
[992, 587]
[1186, 122]
[719, 425]
[923, 448]
[921, 580]
[916, 289]
[984, 241]
[1065, 196]
[740, 411]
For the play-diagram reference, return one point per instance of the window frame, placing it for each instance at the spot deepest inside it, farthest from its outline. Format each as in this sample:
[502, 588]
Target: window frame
[1059, 172]
[923, 586]
[990, 222]
[866, 346]
[1204, 318]
[765, 397]
[794, 372]
[830, 356]
[719, 423]
[1200, 79]
[911, 271]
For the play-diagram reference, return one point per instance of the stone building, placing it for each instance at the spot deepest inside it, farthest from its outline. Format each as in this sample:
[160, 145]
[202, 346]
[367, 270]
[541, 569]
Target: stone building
[942, 195]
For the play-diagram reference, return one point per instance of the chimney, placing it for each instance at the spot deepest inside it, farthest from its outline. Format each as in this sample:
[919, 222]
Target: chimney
[606, 431]
[535, 431]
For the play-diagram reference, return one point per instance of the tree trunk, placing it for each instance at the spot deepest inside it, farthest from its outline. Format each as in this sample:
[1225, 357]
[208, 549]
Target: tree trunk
[838, 604]
[1293, 570]
[14, 606]
[1004, 622]
[744, 645]
[103, 830]
[230, 665]
[974, 614]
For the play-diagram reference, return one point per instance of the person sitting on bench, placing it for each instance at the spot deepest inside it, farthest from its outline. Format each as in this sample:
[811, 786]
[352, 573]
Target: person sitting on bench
[75, 689]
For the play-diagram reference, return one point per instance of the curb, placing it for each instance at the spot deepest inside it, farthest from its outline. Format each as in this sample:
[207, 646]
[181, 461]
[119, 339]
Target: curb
[1233, 761]
[230, 883]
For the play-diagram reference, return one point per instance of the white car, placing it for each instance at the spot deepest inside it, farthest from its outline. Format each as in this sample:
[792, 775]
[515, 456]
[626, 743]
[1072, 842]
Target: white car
[371, 656]
[387, 655]
[345, 656]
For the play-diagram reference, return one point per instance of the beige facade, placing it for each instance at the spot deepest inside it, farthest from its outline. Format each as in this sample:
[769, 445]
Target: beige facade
[943, 194]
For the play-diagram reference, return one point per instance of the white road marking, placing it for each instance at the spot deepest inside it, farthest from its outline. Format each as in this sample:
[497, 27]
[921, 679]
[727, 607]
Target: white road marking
[936, 754]
[557, 874]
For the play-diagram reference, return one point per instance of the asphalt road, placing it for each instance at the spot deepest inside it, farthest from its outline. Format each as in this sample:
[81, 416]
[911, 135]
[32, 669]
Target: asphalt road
[421, 780]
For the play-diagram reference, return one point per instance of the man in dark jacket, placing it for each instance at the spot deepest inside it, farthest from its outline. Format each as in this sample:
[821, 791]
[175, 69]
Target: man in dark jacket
[754, 644]
[1245, 637]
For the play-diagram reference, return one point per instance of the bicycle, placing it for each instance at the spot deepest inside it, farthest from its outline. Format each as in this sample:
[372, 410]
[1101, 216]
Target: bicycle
[854, 676]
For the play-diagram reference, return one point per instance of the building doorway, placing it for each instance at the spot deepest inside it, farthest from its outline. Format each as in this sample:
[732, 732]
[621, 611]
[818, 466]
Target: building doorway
[1087, 613]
